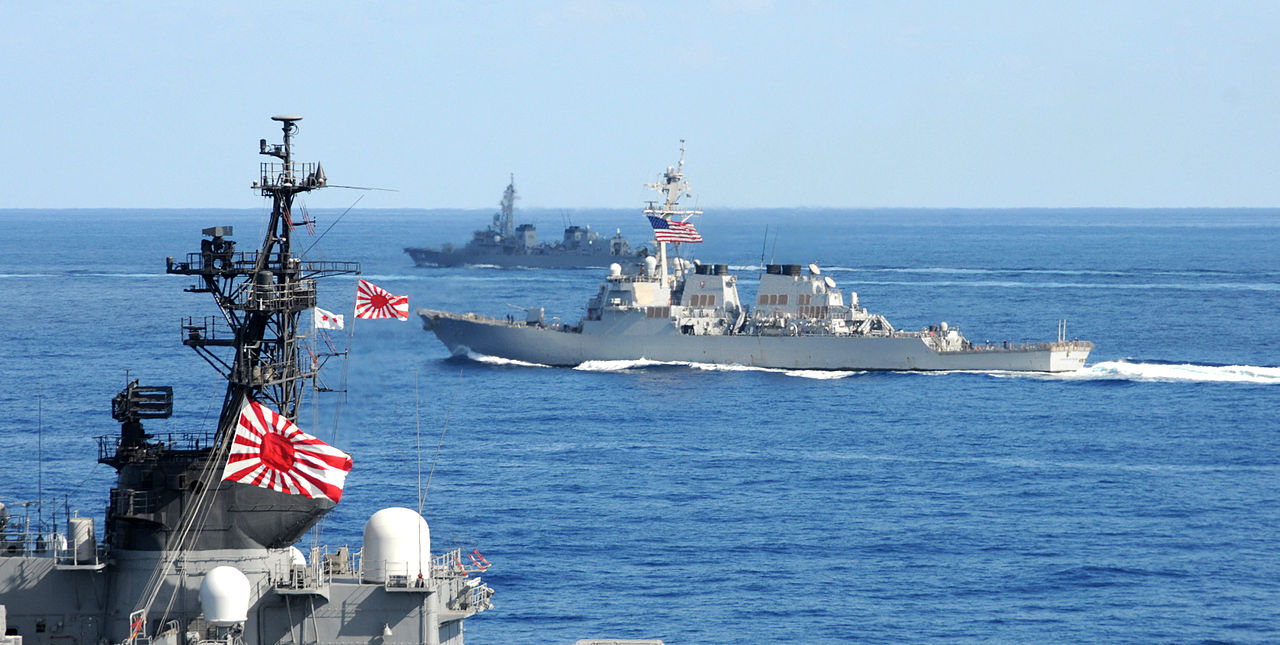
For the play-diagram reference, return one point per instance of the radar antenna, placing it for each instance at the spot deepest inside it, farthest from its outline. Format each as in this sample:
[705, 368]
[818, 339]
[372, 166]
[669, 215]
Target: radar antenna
[673, 187]
[261, 294]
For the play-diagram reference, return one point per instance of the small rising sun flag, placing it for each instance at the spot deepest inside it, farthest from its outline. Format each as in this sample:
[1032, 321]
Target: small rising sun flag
[270, 451]
[666, 230]
[373, 301]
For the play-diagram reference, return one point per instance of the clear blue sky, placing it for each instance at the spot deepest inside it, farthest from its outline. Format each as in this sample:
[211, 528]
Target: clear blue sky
[858, 104]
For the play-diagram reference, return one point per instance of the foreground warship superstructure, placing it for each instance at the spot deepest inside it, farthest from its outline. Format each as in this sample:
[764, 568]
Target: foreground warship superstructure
[678, 311]
[504, 244]
[188, 557]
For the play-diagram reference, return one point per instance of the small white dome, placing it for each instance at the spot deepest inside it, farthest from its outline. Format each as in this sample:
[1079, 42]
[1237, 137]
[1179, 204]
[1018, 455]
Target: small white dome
[397, 541]
[650, 264]
[224, 596]
[615, 269]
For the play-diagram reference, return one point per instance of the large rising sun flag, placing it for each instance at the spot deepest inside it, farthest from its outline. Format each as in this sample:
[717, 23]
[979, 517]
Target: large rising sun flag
[373, 301]
[667, 230]
[270, 451]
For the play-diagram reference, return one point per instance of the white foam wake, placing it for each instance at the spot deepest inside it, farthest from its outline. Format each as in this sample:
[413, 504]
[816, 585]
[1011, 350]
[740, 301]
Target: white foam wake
[1103, 371]
[1164, 373]
[619, 366]
[494, 360]
[623, 365]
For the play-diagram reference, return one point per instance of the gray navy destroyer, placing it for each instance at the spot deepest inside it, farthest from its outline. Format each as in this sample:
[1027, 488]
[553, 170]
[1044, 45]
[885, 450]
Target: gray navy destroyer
[188, 557]
[678, 311]
[504, 244]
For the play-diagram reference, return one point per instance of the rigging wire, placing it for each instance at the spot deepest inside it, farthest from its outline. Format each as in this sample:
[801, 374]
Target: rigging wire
[335, 223]
[417, 415]
[39, 456]
[422, 500]
[177, 545]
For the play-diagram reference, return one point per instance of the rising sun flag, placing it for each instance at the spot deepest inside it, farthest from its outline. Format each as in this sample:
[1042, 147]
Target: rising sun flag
[373, 301]
[270, 451]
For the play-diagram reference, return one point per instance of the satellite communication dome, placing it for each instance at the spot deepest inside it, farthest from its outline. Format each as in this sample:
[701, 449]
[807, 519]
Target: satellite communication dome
[650, 264]
[224, 596]
[397, 541]
[615, 269]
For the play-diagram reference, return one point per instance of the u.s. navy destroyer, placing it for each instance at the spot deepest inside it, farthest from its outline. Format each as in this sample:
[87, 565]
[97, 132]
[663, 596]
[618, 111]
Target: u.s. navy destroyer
[189, 556]
[504, 244]
[678, 311]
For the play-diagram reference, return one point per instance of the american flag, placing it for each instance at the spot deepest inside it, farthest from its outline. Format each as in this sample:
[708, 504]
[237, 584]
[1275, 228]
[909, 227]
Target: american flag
[665, 230]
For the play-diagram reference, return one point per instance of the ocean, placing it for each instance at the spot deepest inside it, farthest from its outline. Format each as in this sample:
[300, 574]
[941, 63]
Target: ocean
[1137, 500]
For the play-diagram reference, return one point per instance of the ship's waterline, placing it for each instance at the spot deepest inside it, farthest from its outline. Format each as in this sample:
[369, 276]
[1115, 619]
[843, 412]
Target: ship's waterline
[564, 346]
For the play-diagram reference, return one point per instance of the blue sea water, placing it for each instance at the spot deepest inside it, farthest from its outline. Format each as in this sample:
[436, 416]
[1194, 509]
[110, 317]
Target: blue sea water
[1137, 500]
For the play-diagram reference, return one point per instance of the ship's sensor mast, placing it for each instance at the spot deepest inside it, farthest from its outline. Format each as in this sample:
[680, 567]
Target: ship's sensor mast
[672, 187]
[261, 294]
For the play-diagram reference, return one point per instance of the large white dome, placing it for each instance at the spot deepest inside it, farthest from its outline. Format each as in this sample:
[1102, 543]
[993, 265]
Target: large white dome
[397, 541]
[224, 596]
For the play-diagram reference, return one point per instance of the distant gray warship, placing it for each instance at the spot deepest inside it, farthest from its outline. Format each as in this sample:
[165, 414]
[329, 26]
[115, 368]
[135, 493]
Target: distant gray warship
[690, 312]
[191, 557]
[505, 245]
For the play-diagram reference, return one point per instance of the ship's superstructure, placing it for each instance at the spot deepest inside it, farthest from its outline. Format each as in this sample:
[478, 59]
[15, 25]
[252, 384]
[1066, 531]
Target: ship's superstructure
[190, 557]
[669, 309]
[505, 244]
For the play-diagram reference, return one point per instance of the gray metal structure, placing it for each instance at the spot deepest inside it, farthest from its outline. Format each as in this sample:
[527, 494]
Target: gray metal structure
[504, 244]
[678, 311]
[171, 521]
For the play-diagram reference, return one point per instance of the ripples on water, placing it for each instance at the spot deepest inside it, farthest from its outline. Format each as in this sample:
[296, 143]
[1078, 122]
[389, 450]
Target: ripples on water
[1136, 500]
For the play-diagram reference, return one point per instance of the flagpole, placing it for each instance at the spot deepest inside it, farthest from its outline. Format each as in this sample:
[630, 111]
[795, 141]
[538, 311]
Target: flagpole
[662, 264]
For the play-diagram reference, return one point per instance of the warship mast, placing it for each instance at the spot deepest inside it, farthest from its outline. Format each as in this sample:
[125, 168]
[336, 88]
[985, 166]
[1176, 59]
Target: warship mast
[261, 295]
[673, 187]
[210, 561]
[504, 218]
[256, 346]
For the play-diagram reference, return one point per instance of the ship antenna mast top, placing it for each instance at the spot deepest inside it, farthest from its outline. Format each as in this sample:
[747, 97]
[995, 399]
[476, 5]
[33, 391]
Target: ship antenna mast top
[508, 205]
[261, 294]
[673, 186]
[289, 123]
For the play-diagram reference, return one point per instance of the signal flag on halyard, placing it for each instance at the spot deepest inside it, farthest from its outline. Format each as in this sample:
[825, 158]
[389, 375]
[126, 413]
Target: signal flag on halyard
[271, 452]
[373, 301]
[321, 319]
[478, 560]
[666, 230]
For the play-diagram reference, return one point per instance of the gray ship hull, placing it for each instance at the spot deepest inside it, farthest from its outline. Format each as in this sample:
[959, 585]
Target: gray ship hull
[658, 340]
[91, 603]
[435, 258]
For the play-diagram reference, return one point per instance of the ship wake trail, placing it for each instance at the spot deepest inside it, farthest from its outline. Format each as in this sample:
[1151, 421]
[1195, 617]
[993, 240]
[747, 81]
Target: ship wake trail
[1164, 373]
[625, 365]
[495, 360]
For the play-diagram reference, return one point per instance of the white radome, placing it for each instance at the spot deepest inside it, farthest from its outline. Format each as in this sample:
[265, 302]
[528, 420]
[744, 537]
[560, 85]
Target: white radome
[224, 596]
[397, 541]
